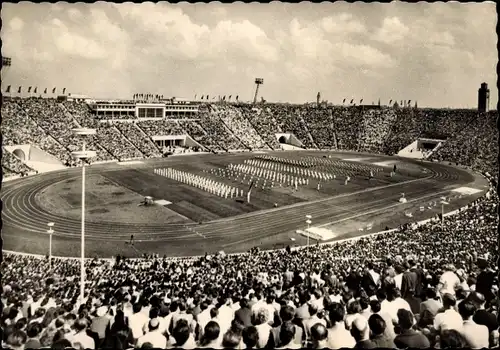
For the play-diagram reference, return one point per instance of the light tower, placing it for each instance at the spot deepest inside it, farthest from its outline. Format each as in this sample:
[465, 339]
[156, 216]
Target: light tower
[258, 82]
[83, 155]
[50, 231]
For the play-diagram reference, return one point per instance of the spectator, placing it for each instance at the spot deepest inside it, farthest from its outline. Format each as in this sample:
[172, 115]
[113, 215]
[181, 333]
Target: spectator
[361, 333]
[476, 335]
[377, 326]
[81, 339]
[409, 338]
[211, 336]
[154, 336]
[452, 339]
[338, 336]
[448, 318]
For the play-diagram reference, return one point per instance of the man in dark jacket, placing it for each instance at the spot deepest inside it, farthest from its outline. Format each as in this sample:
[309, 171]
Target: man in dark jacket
[244, 313]
[409, 338]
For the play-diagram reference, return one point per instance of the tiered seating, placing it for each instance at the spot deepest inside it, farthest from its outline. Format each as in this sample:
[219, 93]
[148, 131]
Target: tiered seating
[290, 120]
[14, 165]
[216, 130]
[475, 146]
[193, 129]
[54, 119]
[13, 116]
[139, 139]
[161, 127]
[376, 127]
[241, 128]
[115, 142]
[263, 122]
[405, 129]
[347, 123]
[320, 125]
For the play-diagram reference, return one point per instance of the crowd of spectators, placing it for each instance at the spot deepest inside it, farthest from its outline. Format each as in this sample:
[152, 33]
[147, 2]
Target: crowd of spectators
[476, 145]
[194, 129]
[239, 125]
[417, 287]
[139, 139]
[116, 143]
[11, 165]
[216, 130]
[264, 123]
[375, 129]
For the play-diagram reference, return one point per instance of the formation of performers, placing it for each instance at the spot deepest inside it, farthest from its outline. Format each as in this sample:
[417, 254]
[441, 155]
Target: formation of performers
[298, 162]
[280, 179]
[203, 183]
[296, 170]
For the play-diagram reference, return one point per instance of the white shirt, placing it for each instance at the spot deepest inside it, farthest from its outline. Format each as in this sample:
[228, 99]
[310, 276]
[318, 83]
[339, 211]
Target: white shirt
[136, 324]
[450, 281]
[339, 337]
[84, 340]
[398, 280]
[394, 306]
[450, 319]
[264, 331]
[477, 335]
[155, 338]
[226, 315]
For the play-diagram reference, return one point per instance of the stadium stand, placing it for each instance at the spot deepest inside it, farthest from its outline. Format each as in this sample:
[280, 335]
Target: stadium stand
[13, 165]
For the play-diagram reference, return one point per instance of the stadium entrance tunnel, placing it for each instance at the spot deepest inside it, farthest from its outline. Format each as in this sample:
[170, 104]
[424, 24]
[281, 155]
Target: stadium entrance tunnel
[282, 139]
[19, 153]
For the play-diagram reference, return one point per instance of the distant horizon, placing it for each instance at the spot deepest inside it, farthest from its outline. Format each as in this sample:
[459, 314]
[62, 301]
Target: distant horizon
[435, 53]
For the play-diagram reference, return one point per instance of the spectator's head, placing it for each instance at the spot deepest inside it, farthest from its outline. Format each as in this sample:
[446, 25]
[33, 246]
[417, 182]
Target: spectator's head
[360, 330]
[354, 308]
[452, 339]
[287, 313]
[319, 333]
[137, 308]
[466, 309]
[377, 324]
[287, 333]
[231, 340]
[375, 306]
[313, 309]
[153, 324]
[336, 313]
[405, 319]
[181, 332]
[34, 329]
[430, 293]
[211, 332]
[81, 324]
[250, 337]
[61, 344]
[262, 316]
[214, 312]
[16, 339]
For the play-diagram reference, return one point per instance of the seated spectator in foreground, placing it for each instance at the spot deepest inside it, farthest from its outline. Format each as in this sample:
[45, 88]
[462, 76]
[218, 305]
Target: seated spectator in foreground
[482, 316]
[287, 314]
[33, 332]
[81, 339]
[319, 336]
[338, 336]
[287, 335]
[154, 336]
[452, 339]
[263, 327]
[211, 336]
[361, 333]
[250, 337]
[61, 344]
[477, 336]
[16, 340]
[184, 339]
[308, 324]
[409, 338]
[432, 304]
[231, 340]
[449, 318]
[377, 327]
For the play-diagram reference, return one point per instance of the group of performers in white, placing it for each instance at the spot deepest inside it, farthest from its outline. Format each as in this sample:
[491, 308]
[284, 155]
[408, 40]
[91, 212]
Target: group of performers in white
[203, 183]
[302, 163]
[261, 166]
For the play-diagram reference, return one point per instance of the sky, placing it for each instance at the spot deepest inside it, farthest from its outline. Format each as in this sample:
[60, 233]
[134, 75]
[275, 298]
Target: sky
[437, 54]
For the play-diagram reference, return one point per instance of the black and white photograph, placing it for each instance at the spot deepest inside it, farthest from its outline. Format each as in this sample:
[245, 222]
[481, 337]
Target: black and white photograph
[249, 175]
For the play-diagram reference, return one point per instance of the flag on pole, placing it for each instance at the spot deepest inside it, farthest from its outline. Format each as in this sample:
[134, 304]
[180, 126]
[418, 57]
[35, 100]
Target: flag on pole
[54, 90]
[352, 101]
[208, 97]
[36, 87]
[195, 96]
[8, 89]
[361, 101]
[29, 89]
[390, 102]
[19, 90]
[45, 91]
[224, 98]
[202, 97]
[237, 97]
[64, 90]
[230, 97]
[343, 101]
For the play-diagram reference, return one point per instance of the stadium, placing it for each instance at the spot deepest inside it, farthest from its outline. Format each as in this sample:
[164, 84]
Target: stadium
[168, 222]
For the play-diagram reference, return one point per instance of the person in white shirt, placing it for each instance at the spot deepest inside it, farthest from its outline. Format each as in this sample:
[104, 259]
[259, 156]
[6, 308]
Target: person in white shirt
[257, 305]
[183, 337]
[203, 317]
[477, 336]
[263, 327]
[226, 314]
[212, 337]
[137, 322]
[398, 279]
[449, 281]
[449, 319]
[154, 336]
[396, 303]
[81, 339]
[309, 323]
[338, 336]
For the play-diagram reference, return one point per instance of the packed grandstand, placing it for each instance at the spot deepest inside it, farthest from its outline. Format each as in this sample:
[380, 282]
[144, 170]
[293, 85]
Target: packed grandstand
[417, 287]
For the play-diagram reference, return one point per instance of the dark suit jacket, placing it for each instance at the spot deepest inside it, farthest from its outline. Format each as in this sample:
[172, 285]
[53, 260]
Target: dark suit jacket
[487, 319]
[408, 283]
[244, 315]
[411, 339]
